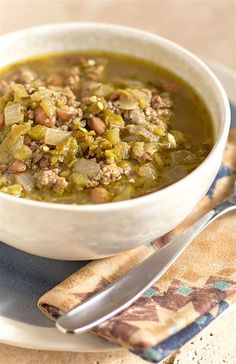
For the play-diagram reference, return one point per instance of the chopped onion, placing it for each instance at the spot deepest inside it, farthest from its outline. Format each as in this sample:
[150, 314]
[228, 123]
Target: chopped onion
[125, 192]
[130, 138]
[124, 99]
[88, 167]
[48, 106]
[149, 135]
[13, 114]
[126, 104]
[179, 136]
[131, 83]
[148, 171]
[39, 95]
[56, 136]
[182, 157]
[18, 145]
[139, 130]
[104, 90]
[173, 174]
[142, 95]
[20, 92]
[159, 161]
[171, 140]
[129, 99]
[25, 180]
[89, 88]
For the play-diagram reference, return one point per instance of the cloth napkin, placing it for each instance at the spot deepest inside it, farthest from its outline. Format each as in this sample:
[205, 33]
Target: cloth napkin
[196, 289]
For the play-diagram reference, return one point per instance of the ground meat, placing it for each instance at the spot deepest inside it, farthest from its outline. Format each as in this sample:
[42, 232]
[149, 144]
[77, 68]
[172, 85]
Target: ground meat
[159, 102]
[50, 179]
[152, 118]
[164, 114]
[150, 113]
[161, 124]
[74, 103]
[79, 113]
[37, 154]
[114, 108]
[127, 171]
[60, 185]
[16, 167]
[47, 178]
[33, 145]
[110, 173]
[136, 116]
[148, 92]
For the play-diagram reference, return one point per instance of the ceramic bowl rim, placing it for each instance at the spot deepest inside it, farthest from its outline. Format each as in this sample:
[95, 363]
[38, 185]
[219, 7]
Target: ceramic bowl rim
[137, 201]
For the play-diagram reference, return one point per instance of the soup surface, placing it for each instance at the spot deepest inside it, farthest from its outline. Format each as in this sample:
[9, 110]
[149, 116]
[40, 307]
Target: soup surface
[97, 127]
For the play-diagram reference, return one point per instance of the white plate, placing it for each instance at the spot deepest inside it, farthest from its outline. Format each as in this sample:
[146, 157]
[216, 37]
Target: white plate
[33, 336]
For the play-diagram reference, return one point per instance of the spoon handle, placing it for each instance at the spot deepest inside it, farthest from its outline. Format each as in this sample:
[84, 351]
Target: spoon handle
[125, 290]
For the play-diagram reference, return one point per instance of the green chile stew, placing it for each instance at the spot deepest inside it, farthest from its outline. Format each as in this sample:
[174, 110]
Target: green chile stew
[80, 128]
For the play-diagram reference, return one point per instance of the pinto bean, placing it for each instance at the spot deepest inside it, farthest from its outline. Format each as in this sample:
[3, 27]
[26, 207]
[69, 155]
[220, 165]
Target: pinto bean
[73, 80]
[97, 125]
[54, 79]
[64, 115]
[16, 167]
[42, 118]
[146, 157]
[27, 140]
[2, 120]
[76, 60]
[50, 123]
[40, 115]
[3, 168]
[167, 85]
[44, 162]
[3, 86]
[99, 195]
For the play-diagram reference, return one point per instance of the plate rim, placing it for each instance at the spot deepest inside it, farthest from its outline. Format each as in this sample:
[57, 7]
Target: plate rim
[29, 336]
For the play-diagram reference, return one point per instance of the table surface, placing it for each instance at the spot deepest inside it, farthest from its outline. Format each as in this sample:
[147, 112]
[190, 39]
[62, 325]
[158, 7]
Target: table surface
[206, 27]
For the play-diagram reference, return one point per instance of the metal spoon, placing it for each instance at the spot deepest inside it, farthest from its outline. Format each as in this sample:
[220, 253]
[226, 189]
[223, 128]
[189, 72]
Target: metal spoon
[125, 290]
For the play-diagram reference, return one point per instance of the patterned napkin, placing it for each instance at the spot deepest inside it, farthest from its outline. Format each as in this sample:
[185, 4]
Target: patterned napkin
[198, 287]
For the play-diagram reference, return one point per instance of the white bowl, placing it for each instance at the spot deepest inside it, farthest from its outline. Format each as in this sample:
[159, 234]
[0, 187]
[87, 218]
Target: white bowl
[95, 231]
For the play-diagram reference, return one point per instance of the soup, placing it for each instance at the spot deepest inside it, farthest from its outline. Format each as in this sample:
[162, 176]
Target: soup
[82, 128]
